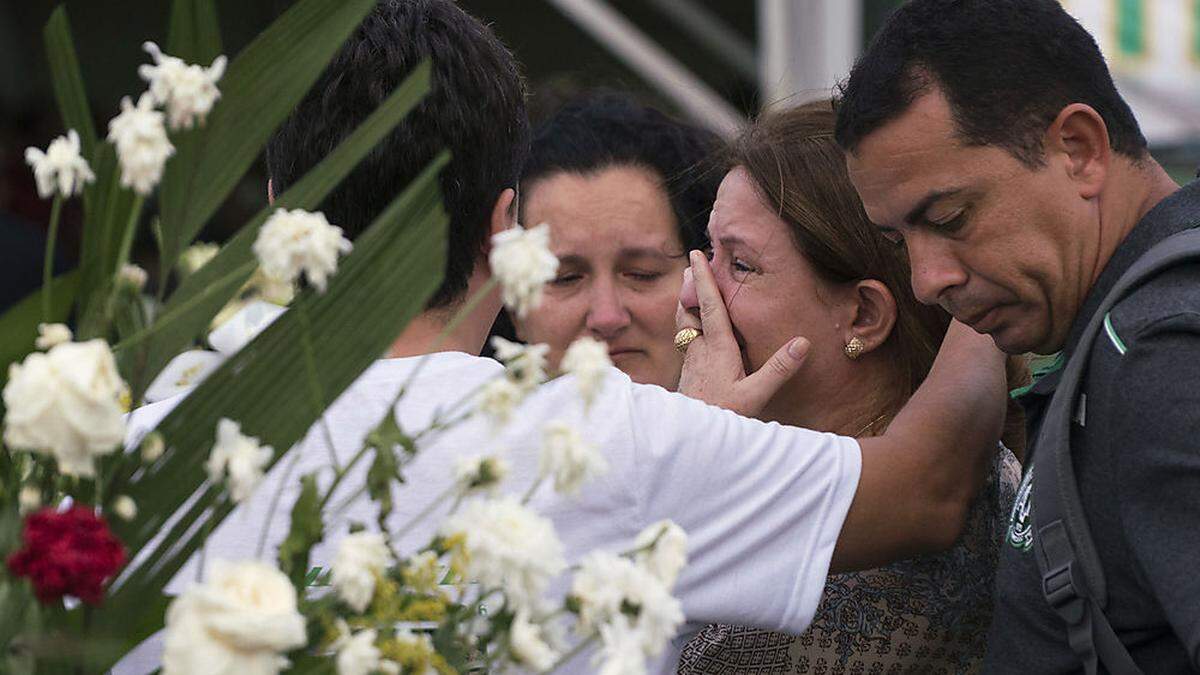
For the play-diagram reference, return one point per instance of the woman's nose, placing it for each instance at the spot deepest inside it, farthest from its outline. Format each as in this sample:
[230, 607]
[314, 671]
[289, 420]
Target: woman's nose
[607, 314]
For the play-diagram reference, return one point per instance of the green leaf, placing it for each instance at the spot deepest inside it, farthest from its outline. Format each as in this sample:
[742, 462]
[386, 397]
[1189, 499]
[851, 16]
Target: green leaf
[201, 295]
[108, 208]
[18, 326]
[306, 531]
[260, 89]
[194, 34]
[66, 79]
[396, 265]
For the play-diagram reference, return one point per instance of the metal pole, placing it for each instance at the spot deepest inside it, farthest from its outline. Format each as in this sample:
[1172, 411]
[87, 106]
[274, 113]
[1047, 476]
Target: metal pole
[806, 47]
[712, 33]
[652, 63]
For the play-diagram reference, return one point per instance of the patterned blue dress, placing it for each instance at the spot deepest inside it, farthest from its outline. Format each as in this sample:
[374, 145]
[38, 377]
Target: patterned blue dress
[928, 614]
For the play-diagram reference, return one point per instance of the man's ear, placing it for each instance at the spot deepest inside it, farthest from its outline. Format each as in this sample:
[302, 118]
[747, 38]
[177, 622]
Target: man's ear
[1079, 134]
[503, 215]
[874, 314]
[270, 192]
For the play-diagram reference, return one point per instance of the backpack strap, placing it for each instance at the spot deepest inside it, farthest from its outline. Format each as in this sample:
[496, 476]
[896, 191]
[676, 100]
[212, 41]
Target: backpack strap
[1072, 578]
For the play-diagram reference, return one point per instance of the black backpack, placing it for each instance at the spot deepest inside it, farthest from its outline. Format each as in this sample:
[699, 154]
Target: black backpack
[1072, 577]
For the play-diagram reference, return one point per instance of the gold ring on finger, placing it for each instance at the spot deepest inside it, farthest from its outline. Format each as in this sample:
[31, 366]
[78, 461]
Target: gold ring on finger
[684, 337]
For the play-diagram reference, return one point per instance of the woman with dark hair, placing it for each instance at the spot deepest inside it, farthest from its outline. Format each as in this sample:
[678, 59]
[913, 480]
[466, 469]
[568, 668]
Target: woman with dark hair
[623, 188]
[793, 252]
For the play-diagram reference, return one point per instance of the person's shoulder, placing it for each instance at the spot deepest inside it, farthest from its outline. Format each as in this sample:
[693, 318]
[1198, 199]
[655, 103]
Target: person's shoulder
[1169, 300]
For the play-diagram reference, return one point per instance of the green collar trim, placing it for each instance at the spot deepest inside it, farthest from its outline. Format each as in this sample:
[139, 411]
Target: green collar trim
[1112, 335]
[1042, 366]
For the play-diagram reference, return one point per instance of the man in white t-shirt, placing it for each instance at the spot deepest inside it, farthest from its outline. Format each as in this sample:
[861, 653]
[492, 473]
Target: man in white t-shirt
[769, 510]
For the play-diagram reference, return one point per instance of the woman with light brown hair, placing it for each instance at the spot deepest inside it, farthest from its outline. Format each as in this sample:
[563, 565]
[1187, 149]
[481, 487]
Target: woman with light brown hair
[793, 253]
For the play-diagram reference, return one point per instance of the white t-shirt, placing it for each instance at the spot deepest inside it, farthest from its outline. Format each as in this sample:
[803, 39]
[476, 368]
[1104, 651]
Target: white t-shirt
[762, 503]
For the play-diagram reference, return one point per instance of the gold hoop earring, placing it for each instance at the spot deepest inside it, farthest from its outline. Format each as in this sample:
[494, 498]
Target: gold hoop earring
[854, 348]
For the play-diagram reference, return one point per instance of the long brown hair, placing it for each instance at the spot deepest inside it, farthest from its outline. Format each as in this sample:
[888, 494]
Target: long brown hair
[800, 172]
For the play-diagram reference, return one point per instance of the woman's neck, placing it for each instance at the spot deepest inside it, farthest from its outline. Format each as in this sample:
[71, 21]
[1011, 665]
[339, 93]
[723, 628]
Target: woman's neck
[860, 405]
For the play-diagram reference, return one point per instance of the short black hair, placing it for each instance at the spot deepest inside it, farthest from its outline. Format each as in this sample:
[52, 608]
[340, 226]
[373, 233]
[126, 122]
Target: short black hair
[1006, 67]
[604, 129]
[475, 109]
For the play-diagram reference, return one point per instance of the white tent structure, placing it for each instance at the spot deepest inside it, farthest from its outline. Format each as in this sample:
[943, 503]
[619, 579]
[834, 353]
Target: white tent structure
[805, 47]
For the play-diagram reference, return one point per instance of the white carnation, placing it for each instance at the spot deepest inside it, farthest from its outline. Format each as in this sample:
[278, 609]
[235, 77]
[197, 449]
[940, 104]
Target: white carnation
[133, 276]
[621, 652]
[522, 262]
[239, 458]
[568, 458]
[480, 472]
[587, 359]
[357, 653]
[152, 447]
[295, 242]
[51, 334]
[189, 91]
[525, 364]
[241, 620]
[508, 546]
[668, 554]
[360, 557]
[529, 647]
[142, 144]
[607, 586]
[498, 398]
[60, 168]
[66, 403]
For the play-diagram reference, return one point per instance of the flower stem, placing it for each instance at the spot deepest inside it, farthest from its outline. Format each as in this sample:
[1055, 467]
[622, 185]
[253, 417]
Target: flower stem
[575, 651]
[426, 511]
[48, 265]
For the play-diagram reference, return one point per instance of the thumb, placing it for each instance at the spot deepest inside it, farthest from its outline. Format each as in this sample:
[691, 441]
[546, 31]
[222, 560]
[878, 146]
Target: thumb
[783, 365]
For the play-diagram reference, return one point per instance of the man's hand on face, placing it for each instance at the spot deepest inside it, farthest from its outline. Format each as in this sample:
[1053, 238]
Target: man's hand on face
[712, 367]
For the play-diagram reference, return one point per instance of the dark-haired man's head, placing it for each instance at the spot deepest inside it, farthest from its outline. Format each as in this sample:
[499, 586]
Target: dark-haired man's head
[627, 191]
[988, 137]
[476, 110]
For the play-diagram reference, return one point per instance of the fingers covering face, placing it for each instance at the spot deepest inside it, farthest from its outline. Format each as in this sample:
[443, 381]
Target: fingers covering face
[714, 320]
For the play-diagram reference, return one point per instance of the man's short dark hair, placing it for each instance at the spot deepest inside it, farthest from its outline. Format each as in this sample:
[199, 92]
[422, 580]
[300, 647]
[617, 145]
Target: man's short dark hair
[476, 109]
[1007, 68]
[605, 129]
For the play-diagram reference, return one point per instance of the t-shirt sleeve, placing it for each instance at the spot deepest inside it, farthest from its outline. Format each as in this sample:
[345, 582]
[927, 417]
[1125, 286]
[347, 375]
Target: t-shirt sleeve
[1156, 443]
[762, 504]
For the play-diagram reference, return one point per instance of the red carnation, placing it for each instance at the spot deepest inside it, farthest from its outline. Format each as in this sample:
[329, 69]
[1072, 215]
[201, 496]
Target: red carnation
[67, 553]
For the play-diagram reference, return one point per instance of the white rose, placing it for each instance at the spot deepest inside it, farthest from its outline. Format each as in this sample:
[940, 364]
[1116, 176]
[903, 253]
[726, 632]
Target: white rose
[587, 359]
[529, 648]
[568, 459]
[526, 364]
[125, 507]
[238, 458]
[29, 499]
[189, 91]
[142, 144]
[357, 653]
[359, 558]
[508, 546]
[241, 620]
[51, 334]
[522, 262]
[295, 242]
[60, 168]
[197, 256]
[668, 554]
[66, 403]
